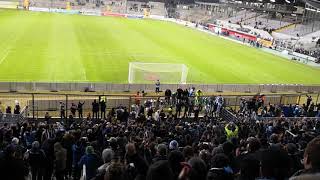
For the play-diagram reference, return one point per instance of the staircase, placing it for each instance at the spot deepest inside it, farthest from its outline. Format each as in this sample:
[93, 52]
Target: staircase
[289, 26]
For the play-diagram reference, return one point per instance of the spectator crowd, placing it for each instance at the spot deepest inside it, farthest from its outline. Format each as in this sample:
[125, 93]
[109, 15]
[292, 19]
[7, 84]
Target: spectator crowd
[151, 143]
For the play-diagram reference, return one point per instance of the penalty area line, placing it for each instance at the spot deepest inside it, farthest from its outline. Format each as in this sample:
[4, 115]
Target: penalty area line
[4, 56]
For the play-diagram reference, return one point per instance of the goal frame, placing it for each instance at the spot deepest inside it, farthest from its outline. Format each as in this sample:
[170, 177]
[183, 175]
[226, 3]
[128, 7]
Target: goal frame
[183, 70]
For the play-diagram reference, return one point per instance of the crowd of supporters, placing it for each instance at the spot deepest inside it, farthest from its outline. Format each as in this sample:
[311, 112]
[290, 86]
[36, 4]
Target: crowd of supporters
[152, 142]
[255, 109]
[313, 53]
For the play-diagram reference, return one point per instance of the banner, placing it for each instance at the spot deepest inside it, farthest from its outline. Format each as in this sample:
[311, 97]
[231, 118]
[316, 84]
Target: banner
[135, 16]
[9, 4]
[239, 34]
[64, 11]
[265, 43]
[38, 9]
[106, 13]
[91, 12]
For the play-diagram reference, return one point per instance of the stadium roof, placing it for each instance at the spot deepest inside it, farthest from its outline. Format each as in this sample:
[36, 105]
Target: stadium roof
[314, 3]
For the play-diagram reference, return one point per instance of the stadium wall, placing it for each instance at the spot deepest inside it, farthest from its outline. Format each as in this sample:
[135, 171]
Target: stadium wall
[109, 87]
[9, 4]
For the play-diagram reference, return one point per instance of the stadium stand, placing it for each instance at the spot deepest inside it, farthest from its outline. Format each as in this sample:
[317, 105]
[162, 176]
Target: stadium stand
[177, 138]
[179, 134]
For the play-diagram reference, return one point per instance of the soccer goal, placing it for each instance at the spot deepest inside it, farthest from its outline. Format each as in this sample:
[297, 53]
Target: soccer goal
[167, 73]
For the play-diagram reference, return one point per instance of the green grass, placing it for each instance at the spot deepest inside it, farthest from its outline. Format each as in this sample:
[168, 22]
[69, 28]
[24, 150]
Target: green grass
[65, 48]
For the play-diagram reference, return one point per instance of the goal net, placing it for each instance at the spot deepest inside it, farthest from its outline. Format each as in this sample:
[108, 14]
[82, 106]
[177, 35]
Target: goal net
[167, 73]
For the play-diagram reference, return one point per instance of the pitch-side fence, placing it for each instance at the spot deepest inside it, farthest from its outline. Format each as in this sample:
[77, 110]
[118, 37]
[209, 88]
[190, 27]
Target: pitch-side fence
[35, 105]
[110, 87]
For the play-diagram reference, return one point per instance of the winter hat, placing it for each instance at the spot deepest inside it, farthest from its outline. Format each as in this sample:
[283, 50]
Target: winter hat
[173, 145]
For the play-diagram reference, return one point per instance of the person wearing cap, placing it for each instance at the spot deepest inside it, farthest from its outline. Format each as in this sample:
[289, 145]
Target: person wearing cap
[91, 161]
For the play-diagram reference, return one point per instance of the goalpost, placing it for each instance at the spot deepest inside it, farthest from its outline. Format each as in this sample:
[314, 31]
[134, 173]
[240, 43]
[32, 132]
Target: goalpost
[167, 73]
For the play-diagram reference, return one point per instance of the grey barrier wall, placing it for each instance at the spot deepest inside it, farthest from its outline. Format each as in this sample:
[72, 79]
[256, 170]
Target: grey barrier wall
[109, 87]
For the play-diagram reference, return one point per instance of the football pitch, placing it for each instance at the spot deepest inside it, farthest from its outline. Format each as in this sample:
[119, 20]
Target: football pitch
[50, 47]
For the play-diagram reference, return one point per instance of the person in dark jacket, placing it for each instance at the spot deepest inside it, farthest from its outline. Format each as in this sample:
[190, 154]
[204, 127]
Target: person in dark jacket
[161, 153]
[220, 169]
[91, 161]
[80, 109]
[175, 158]
[198, 169]
[8, 110]
[167, 95]
[137, 165]
[78, 149]
[12, 165]
[36, 158]
[115, 171]
[160, 170]
[17, 109]
[60, 161]
[95, 109]
[103, 107]
[48, 148]
[73, 109]
[311, 160]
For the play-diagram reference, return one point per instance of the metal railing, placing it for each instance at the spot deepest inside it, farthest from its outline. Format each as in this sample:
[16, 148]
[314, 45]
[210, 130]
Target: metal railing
[111, 87]
[11, 118]
[37, 104]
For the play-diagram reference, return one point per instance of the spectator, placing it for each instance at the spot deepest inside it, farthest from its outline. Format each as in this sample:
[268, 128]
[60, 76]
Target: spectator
[311, 160]
[103, 107]
[220, 169]
[115, 171]
[95, 109]
[60, 161]
[11, 163]
[8, 110]
[36, 158]
[231, 130]
[16, 108]
[91, 161]
[73, 109]
[157, 84]
[175, 158]
[198, 169]
[107, 156]
[80, 109]
[137, 165]
[274, 164]
[173, 145]
[160, 170]
[47, 118]
[2, 108]
[161, 153]
[62, 110]
[167, 95]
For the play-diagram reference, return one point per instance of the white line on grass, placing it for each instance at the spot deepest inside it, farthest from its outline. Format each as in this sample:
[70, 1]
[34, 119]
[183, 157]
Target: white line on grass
[84, 73]
[5, 56]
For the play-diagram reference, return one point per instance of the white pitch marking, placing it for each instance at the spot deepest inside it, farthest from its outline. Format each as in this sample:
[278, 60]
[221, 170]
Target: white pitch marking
[5, 56]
